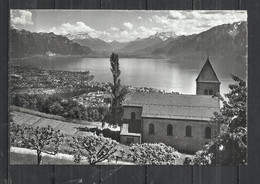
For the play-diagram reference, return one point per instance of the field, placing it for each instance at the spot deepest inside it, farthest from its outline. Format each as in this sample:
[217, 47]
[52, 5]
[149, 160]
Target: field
[34, 118]
[19, 156]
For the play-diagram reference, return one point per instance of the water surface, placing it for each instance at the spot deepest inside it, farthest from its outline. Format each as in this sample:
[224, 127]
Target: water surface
[162, 74]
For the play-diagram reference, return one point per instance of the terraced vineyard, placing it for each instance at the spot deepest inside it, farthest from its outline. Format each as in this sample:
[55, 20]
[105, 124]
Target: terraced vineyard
[71, 129]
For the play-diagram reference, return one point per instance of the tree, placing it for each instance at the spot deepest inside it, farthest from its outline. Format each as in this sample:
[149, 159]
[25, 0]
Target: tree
[94, 149]
[118, 92]
[56, 108]
[38, 139]
[153, 153]
[230, 146]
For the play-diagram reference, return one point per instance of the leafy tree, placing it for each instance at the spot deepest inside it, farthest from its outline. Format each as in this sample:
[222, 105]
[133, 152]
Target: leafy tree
[56, 108]
[94, 149]
[118, 92]
[230, 146]
[39, 139]
[20, 100]
[153, 153]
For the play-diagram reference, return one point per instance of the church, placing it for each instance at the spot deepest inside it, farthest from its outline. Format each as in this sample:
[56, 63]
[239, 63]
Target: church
[178, 120]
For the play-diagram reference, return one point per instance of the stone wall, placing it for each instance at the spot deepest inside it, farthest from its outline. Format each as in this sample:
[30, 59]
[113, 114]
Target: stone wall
[129, 110]
[134, 125]
[178, 139]
[201, 86]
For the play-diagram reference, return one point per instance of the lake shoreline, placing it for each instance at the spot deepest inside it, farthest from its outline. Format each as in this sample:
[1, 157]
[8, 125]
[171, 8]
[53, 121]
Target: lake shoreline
[161, 74]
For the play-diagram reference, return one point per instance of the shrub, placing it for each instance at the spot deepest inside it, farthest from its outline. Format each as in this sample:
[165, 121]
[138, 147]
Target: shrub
[153, 153]
[94, 149]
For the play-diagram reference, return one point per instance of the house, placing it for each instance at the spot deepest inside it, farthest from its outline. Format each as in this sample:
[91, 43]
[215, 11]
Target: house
[178, 120]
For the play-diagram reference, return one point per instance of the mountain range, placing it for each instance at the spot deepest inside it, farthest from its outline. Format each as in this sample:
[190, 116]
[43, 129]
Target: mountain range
[221, 42]
[227, 39]
[25, 43]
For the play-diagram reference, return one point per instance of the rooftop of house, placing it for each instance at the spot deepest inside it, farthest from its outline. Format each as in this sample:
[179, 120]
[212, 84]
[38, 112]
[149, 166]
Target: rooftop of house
[174, 106]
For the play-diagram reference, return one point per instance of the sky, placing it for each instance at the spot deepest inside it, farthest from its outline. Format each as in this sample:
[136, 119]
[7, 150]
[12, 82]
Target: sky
[123, 25]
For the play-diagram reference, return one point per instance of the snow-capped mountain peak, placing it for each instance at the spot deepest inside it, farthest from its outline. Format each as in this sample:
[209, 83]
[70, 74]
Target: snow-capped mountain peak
[233, 31]
[165, 35]
[81, 36]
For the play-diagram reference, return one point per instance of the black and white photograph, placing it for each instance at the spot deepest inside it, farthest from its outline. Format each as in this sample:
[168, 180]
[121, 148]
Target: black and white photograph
[128, 87]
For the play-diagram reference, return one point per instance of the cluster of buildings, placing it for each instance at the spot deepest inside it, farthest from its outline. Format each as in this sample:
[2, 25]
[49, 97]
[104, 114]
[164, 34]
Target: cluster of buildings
[94, 99]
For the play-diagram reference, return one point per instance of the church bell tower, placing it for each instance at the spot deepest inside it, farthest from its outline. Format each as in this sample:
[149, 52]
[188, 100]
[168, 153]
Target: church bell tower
[207, 82]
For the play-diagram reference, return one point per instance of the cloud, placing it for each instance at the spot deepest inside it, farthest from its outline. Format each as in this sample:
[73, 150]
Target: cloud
[77, 28]
[190, 22]
[139, 32]
[128, 25]
[114, 29]
[21, 17]
[176, 15]
[139, 18]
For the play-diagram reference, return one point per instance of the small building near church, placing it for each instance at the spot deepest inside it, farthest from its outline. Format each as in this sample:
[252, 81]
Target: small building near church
[178, 120]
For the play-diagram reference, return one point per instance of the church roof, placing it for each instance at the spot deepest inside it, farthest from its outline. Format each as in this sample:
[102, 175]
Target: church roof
[207, 74]
[174, 106]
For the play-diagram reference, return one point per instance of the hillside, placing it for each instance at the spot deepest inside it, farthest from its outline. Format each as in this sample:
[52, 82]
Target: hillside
[141, 45]
[228, 40]
[24, 43]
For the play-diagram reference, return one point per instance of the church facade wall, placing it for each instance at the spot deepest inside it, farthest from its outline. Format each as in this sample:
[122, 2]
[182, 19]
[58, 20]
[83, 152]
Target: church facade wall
[134, 124]
[202, 86]
[178, 139]
[128, 110]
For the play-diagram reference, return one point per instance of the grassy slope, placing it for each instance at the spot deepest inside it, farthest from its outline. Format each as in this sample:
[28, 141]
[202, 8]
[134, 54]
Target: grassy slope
[25, 116]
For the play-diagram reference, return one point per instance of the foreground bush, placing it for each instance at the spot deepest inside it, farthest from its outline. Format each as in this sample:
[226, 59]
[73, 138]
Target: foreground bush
[94, 149]
[153, 153]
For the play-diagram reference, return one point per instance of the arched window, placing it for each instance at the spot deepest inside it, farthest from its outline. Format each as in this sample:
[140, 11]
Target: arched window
[206, 92]
[208, 132]
[133, 115]
[151, 128]
[169, 129]
[188, 131]
[210, 92]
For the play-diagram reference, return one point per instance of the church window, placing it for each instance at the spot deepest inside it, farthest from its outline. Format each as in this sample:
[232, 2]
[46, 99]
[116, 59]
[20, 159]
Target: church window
[206, 92]
[151, 128]
[133, 115]
[208, 132]
[169, 129]
[188, 131]
[210, 92]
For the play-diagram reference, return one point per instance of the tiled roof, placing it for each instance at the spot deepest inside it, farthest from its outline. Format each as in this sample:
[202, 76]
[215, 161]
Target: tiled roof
[175, 112]
[207, 74]
[140, 99]
[174, 106]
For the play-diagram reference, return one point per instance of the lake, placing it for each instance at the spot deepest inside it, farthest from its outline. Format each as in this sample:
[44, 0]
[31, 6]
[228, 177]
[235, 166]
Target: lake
[163, 74]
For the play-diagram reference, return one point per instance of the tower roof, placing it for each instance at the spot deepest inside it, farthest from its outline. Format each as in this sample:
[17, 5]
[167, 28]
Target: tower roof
[207, 74]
